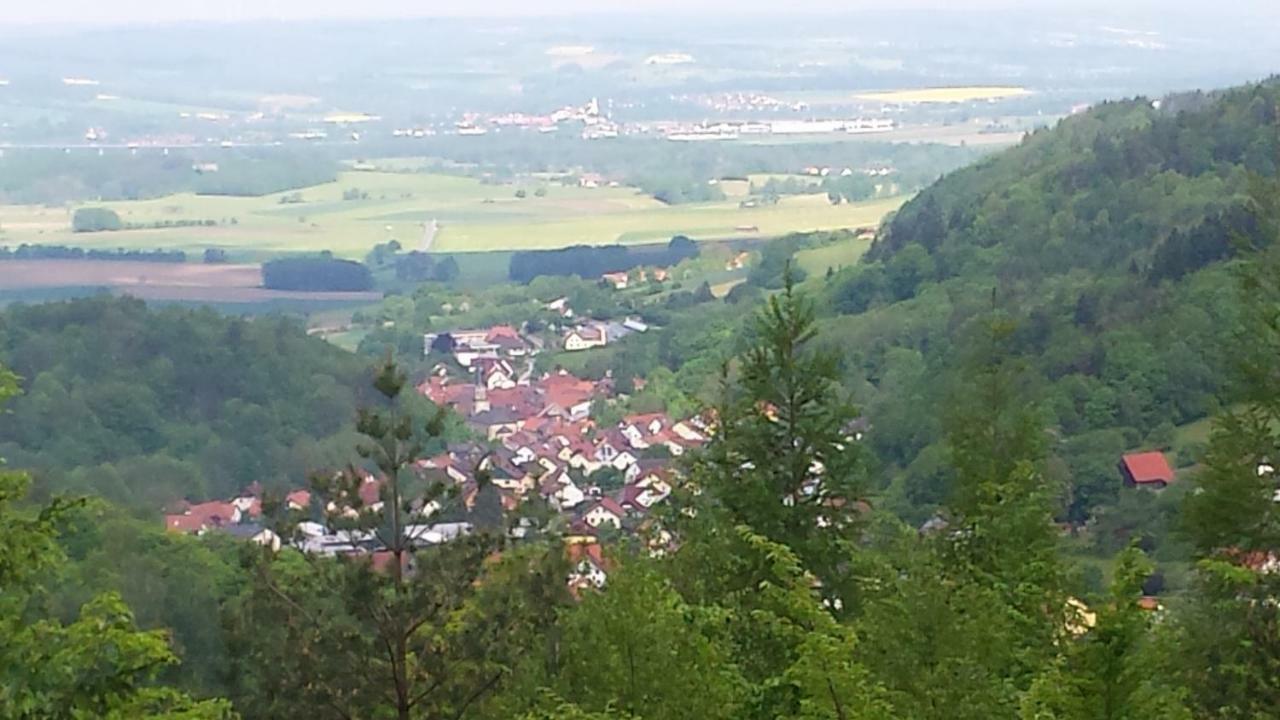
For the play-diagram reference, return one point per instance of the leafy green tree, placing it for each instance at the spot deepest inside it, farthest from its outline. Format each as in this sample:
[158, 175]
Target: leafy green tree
[1111, 671]
[784, 461]
[1228, 635]
[959, 621]
[797, 659]
[99, 665]
[95, 219]
[1003, 502]
[406, 632]
[638, 648]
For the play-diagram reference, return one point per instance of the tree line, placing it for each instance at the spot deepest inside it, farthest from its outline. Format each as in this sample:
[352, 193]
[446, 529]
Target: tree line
[316, 274]
[590, 262]
[63, 252]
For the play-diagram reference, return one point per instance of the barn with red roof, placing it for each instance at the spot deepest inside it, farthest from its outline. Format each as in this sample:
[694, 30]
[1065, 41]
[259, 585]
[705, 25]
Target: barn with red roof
[1146, 469]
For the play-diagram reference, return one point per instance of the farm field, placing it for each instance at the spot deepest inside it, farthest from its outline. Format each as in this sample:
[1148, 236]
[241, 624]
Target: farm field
[185, 282]
[966, 93]
[836, 255]
[471, 216]
[960, 134]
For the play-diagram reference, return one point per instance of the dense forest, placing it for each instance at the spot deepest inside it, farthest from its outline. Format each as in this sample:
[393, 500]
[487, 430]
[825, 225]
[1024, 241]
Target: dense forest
[590, 262]
[144, 406]
[1105, 234]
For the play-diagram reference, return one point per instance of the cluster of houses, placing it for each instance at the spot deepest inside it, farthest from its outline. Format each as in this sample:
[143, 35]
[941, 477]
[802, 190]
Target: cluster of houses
[501, 345]
[242, 517]
[623, 279]
[534, 438]
[500, 357]
[542, 442]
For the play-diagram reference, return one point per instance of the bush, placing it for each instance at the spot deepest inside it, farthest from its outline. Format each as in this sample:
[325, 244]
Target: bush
[95, 220]
[316, 274]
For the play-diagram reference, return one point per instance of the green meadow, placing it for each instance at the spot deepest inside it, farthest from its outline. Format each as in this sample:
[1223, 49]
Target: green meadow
[361, 209]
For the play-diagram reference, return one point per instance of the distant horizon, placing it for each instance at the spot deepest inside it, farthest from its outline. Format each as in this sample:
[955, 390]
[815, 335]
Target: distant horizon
[85, 14]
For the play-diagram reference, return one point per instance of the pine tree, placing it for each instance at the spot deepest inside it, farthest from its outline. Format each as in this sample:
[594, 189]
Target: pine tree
[1228, 634]
[1110, 672]
[964, 616]
[409, 631]
[785, 461]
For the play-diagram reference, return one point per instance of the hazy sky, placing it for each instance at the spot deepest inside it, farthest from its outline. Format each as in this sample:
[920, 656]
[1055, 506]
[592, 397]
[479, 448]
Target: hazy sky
[134, 11]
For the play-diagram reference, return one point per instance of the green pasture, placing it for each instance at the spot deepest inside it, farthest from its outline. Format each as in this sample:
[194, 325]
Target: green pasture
[472, 216]
[838, 254]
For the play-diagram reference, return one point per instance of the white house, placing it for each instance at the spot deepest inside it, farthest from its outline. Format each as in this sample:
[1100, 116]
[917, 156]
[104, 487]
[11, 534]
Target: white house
[605, 511]
[584, 339]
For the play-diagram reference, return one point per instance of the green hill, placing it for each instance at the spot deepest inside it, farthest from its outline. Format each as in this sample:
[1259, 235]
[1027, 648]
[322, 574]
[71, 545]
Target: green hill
[1108, 239]
[144, 405]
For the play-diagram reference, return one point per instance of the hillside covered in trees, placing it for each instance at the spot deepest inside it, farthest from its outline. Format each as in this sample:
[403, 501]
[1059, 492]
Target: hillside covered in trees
[143, 406]
[1107, 236]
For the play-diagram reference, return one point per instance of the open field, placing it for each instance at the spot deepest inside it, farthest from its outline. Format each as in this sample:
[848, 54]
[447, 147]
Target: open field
[472, 216]
[185, 282]
[836, 255]
[958, 134]
[958, 94]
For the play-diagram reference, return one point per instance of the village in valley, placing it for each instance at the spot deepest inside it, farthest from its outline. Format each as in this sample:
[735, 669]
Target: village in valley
[531, 435]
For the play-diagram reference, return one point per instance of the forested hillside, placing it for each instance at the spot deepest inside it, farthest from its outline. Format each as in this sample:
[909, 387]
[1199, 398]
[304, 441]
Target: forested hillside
[143, 406]
[1105, 235]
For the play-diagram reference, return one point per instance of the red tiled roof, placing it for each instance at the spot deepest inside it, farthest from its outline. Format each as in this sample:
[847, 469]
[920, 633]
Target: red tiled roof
[442, 392]
[587, 551]
[642, 421]
[563, 388]
[301, 498]
[1148, 467]
[630, 493]
[183, 523]
[609, 504]
[499, 331]
[202, 516]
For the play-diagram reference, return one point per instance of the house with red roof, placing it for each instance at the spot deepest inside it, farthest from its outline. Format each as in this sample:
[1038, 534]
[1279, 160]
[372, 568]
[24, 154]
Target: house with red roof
[619, 280]
[202, 517]
[1146, 469]
[588, 563]
[605, 511]
[298, 500]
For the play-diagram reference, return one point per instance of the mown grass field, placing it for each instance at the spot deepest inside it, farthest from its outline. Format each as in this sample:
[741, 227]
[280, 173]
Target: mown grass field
[178, 282]
[966, 93]
[472, 217]
[842, 253]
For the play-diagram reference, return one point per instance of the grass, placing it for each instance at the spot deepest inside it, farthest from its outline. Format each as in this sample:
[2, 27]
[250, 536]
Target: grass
[1193, 433]
[967, 93]
[815, 261]
[473, 217]
[348, 340]
[720, 290]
